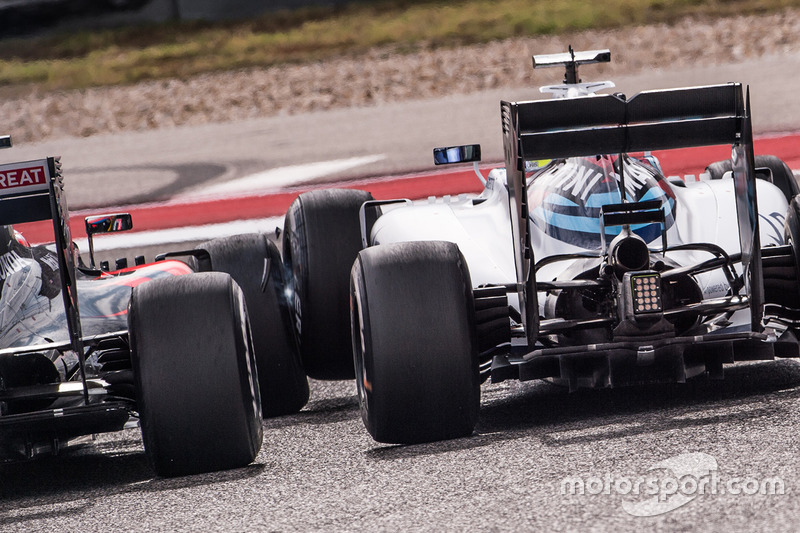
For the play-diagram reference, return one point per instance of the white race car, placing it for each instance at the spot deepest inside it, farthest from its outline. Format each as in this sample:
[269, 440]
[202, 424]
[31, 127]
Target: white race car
[579, 262]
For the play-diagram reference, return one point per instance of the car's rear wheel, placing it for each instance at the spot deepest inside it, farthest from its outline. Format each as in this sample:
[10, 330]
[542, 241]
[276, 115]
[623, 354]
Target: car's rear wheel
[782, 175]
[415, 344]
[784, 288]
[321, 238]
[254, 263]
[195, 374]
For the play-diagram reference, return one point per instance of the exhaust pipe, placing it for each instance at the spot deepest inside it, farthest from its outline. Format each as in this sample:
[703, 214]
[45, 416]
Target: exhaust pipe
[628, 252]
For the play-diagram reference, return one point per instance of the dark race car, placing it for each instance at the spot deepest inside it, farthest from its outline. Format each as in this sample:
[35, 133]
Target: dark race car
[195, 355]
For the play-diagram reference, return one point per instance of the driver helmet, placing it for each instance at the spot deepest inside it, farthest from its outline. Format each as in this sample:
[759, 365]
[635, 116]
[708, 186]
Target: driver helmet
[566, 196]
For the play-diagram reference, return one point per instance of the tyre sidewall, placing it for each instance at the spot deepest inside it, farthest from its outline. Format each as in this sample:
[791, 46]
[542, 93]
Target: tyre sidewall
[425, 385]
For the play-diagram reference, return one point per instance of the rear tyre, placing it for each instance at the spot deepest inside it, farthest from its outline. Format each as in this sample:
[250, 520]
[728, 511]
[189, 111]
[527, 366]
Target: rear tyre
[321, 238]
[415, 342]
[782, 175]
[787, 290]
[254, 263]
[195, 374]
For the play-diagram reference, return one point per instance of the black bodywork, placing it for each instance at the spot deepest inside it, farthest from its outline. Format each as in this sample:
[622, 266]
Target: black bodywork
[65, 369]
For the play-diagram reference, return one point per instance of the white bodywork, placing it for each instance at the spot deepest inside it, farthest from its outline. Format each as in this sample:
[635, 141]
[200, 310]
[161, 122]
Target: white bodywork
[481, 230]
[704, 212]
[480, 226]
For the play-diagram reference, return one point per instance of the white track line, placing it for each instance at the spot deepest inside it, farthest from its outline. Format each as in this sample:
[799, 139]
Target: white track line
[278, 178]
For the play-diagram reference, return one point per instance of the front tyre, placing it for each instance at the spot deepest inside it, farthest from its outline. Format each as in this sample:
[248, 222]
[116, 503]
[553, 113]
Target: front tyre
[782, 176]
[195, 374]
[414, 338]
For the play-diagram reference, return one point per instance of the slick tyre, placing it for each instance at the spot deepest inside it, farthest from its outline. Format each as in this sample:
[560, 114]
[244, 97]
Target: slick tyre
[415, 344]
[254, 263]
[782, 176]
[718, 168]
[786, 287]
[321, 238]
[195, 374]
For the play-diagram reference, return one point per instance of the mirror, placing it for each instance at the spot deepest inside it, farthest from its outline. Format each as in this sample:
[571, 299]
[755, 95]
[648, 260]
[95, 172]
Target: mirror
[108, 223]
[764, 174]
[105, 224]
[457, 154]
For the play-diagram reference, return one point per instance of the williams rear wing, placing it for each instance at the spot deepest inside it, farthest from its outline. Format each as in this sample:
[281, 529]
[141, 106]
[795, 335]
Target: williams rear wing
[610, 124]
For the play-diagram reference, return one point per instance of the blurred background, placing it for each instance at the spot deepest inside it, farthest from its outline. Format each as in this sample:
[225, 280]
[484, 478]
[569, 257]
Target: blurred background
[84, 67]
[167, 100]
[23, 15]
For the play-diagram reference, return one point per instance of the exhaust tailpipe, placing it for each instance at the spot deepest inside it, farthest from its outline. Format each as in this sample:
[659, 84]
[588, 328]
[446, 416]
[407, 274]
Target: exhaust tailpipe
[628, 252]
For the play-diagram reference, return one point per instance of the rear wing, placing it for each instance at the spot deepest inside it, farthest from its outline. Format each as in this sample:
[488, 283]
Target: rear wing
[31, 191]
[610, 124]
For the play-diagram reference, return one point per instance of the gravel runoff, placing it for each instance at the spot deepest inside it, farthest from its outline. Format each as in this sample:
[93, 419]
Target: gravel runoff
[381, 75]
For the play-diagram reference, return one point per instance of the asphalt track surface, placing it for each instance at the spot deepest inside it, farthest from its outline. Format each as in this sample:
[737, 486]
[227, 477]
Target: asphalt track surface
[319, 470]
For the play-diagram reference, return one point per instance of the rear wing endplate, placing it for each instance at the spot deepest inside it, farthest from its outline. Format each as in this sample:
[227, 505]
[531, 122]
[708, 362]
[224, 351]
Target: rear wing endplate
[610, 124]
[32, 191]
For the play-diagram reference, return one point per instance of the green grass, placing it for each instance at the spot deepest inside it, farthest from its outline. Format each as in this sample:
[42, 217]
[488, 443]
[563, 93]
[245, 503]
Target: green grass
[123, 56]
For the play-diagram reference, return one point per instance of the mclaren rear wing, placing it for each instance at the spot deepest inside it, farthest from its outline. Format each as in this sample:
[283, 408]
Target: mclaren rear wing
[612, 124]
[31, 191]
